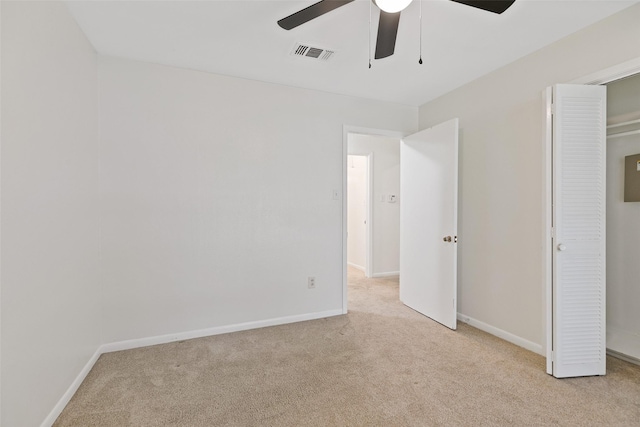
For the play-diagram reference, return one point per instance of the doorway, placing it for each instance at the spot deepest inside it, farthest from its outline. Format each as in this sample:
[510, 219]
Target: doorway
[380, 151]
[418, 172]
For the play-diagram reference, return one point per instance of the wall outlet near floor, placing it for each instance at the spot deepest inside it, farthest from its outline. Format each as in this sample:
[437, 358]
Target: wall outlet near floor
[311, 282]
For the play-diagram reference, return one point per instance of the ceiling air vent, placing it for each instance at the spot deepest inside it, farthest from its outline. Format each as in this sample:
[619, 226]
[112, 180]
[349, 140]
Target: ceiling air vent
[308, 51]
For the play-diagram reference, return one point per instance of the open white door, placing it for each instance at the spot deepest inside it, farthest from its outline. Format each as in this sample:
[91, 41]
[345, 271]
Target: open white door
[428, 222]
[577, 294]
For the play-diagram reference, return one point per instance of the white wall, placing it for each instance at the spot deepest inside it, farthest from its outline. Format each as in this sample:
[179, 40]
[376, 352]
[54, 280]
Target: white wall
[386, 216]
[357, 211]
[623, 224]
[500, 223]
[217, 197]
[49, 175]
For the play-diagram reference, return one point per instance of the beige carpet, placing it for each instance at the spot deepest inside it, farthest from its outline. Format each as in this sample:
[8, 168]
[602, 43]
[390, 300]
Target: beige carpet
[381, 365]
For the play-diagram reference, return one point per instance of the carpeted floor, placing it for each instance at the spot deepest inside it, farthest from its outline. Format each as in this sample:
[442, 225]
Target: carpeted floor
[381, 365]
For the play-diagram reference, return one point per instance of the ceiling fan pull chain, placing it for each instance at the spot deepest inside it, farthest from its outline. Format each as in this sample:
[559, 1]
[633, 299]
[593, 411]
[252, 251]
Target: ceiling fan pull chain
[369, 34]
[420, 61]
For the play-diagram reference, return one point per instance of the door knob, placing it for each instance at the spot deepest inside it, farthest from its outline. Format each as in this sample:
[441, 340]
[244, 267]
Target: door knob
[561, 247]
[447, 239]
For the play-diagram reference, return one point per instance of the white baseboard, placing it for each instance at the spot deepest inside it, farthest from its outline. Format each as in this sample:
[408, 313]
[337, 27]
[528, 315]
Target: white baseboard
[507, 336]
[179, 336]
[623, 356]
[356, 266]
[386, 274]
[66, 397]
[163, 339]
[374, 275]
[623, 342]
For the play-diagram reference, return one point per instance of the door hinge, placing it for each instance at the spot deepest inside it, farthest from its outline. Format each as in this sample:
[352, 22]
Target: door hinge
[553, 232]
[553, 108]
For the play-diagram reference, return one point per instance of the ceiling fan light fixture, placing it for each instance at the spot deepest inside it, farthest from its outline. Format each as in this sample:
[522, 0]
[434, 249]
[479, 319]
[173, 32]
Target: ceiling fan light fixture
[392, 6]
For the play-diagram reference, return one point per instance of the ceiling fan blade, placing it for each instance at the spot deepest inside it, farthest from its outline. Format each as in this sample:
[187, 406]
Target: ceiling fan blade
[387, 32]
[495, 6]
[311, 12]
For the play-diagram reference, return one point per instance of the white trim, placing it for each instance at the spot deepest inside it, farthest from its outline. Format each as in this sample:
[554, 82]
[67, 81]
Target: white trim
[623, 356]
[547, 179]
[356, 266]
[507, 336]
[623, 342]
[199, 333]
[369, 240]
[0, 221]
[608, 75]
[346, 130]
[386, 274]
[66, 397]
[163, 339]
[373, 131]
[368, 265]
[621, 134]
[345, 161]
[627, 123]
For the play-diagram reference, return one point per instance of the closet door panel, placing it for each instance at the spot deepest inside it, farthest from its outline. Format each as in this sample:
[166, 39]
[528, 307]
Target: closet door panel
[578, 244]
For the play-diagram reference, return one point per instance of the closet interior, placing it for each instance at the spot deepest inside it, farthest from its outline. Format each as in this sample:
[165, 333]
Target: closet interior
[623, 218]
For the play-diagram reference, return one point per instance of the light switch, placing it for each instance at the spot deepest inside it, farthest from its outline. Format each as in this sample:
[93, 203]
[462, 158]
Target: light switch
[382, 198]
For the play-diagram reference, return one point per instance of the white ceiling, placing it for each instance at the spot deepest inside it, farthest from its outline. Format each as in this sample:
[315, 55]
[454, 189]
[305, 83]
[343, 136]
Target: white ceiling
[241, 38]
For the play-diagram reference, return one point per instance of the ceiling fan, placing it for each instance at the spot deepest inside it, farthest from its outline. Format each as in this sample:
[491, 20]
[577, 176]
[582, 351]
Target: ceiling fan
[389, 17]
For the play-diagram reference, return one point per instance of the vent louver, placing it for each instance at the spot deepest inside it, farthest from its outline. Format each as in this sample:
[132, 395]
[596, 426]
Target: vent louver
[303, 50]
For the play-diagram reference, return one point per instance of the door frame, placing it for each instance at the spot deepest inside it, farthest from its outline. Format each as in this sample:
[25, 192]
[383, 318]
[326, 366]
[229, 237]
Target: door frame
[368, 261]
[346, 130]
[601, 77]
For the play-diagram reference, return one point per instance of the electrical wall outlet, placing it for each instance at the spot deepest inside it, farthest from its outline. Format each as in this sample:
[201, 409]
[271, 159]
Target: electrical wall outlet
[311, 282]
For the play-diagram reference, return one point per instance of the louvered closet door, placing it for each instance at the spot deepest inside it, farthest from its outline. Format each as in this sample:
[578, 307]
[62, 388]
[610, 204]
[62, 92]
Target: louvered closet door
[579, 151]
